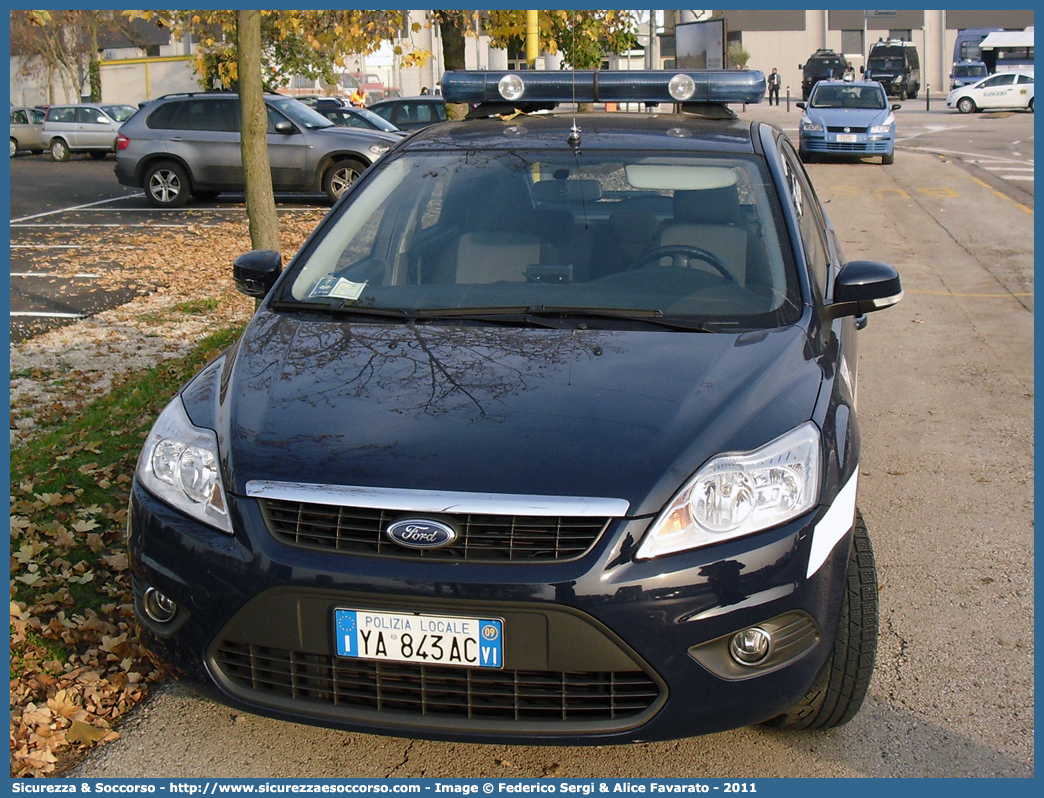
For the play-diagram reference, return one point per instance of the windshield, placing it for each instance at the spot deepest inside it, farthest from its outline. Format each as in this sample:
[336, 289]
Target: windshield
[495, 233]
[824, 64]
[300, 113]
[375, 121]
[969, 71]
[119, 113]
[870, 97]
[886, 64]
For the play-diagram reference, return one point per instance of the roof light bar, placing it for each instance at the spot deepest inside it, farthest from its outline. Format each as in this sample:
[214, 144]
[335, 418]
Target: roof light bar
[587, 86]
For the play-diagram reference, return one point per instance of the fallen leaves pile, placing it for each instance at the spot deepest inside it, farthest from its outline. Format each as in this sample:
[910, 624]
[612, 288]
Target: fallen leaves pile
[76, 666]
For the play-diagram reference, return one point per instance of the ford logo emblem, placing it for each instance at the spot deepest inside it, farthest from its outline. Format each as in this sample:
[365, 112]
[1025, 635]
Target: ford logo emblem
[415, 533]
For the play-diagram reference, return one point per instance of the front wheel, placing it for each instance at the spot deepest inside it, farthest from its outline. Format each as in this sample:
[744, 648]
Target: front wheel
[166, 185]
[839, 689]
[966, 105]
[14, 147]
[59, 150]
[888, 159]
[339, 176]
[1031, 105]
[902, 94]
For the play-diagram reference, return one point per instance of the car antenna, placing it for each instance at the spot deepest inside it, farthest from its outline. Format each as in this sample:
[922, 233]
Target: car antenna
[574, 131]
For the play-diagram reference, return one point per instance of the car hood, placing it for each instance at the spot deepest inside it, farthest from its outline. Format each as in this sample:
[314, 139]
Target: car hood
[848, 117]
[492, 409]
[364, 138]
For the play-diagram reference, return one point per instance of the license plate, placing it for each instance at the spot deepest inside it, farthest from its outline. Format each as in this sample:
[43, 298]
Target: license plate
[846, 138]
[427, 639]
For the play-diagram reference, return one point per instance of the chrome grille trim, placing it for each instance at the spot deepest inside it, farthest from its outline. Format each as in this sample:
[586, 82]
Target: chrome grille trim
[437, 501]
[488, 538]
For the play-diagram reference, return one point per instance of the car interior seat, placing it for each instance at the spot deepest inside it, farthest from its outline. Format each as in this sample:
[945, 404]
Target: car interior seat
[710, 219]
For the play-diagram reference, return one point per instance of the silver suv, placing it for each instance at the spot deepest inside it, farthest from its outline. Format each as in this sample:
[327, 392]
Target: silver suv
[88, 127]
[186, 145]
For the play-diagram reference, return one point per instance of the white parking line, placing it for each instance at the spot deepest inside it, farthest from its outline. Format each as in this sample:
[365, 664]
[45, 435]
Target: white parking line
[1001, 167]
[35, 315]
[75, 208]
[102, 224]
[49, 274]
[68, 246]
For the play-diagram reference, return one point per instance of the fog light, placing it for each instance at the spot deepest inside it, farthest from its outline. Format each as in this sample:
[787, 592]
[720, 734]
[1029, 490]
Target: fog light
[750, 646]
[158, 607]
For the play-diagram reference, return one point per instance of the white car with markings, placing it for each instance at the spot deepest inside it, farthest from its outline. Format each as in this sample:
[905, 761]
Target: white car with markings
[1002, 91]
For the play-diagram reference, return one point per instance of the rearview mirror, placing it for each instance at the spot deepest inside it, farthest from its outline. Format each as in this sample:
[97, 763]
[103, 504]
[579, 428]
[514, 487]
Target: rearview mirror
[255, 272]
[863, 286]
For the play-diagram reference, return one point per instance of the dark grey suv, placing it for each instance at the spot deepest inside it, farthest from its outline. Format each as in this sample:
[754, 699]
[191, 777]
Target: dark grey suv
[186, 145]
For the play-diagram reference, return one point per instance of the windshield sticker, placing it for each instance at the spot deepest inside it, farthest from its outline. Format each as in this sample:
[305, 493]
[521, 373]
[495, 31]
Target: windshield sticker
[338, 287]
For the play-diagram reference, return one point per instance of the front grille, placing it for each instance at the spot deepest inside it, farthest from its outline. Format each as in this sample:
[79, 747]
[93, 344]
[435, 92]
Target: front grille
[831, 129]
[863, 147]
[357, 530]
[436, 690]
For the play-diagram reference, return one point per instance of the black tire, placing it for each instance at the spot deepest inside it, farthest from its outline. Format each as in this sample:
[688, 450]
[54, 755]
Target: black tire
[166, 185]
[14, 146]
[99, 155]
[59, 150]
[807, 157]
[966, 105]
[839, 689]
[340, 176]
[902, 94]
[889, 159]
[1031, 105]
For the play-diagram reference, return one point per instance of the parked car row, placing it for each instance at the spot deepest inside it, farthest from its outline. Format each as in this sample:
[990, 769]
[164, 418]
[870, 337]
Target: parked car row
[188, 145]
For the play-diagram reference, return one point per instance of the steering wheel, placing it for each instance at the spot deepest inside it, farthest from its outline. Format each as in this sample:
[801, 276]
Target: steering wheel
[682, 254]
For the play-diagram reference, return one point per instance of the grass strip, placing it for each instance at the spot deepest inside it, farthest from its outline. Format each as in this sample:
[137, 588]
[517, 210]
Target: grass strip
[76, 667]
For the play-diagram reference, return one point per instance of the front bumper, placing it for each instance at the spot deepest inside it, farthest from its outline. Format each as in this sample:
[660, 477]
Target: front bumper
[865, 144]
[597, 649]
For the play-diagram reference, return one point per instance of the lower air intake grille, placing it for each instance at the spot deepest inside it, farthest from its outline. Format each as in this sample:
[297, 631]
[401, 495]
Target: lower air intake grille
[355, 530]
[437, 690]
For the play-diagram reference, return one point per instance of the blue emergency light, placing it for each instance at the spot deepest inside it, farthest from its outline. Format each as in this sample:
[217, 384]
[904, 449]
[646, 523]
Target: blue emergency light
[599, 86]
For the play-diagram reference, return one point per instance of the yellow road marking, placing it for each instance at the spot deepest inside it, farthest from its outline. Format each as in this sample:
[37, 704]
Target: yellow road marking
[940, 191]
[996, 193]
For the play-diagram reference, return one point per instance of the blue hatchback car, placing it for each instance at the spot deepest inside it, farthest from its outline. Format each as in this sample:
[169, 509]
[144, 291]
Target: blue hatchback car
[848, 119]
[547, 434]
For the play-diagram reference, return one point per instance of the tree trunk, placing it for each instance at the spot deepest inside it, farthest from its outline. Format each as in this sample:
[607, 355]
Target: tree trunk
[93, 66]
[260, 200]
[451, 28]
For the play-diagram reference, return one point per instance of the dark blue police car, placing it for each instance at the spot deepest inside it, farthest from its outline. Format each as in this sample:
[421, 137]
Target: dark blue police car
[547, 434]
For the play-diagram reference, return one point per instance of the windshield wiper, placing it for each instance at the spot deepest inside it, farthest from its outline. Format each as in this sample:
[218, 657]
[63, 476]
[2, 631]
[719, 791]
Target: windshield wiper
[345, 307]
[532, 313]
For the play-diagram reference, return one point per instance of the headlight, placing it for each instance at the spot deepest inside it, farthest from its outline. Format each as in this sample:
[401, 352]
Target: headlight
[886, 127]
[809, 126]
[179, 465]
[738, 494]
[379, 149]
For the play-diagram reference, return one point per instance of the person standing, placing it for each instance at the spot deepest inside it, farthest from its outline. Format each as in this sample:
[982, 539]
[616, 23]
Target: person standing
[773, 85]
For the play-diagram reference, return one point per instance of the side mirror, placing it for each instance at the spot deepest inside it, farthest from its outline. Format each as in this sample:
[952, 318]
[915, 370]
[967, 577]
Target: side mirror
[863, 286]
[800, 105]
[896, 107]
[255, 272]
[861, 70]
[284, 127]
[801, 66]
